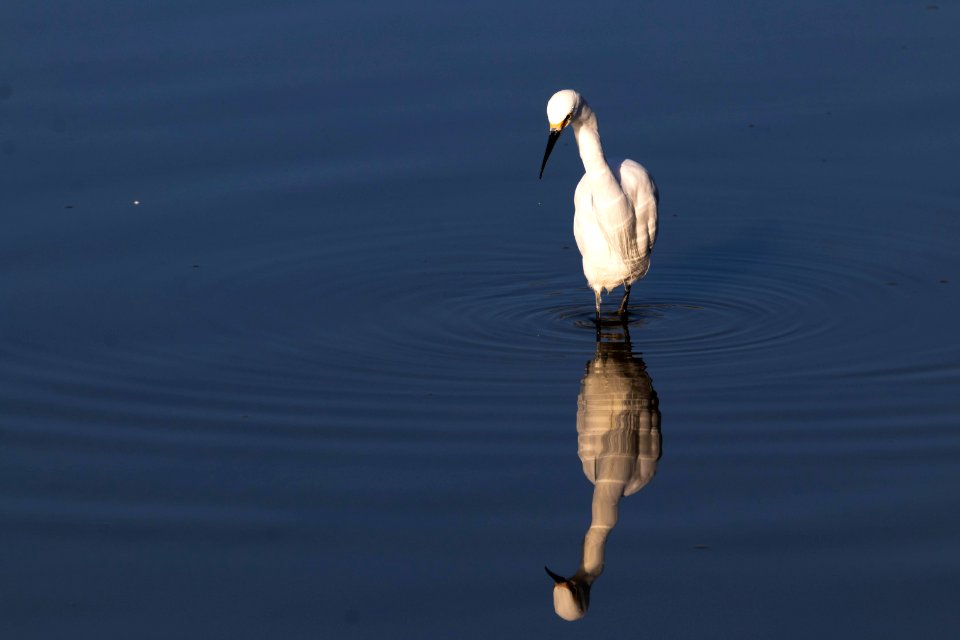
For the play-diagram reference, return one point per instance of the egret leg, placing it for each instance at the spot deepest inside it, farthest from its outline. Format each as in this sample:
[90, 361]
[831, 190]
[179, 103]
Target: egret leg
[623, 303]
[597, 294]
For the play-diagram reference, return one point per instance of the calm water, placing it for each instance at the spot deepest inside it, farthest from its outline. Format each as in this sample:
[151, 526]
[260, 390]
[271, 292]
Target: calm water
[335, 375]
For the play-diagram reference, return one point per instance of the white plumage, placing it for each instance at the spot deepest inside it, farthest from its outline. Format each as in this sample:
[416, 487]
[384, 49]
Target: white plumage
[615, 206]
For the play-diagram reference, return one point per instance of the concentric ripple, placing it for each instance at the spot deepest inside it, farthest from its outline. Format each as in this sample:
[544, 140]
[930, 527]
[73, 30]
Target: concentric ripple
[312, 328]
[467, 302]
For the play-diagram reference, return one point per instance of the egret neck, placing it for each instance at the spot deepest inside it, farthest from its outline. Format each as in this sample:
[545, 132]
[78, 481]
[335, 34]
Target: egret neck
[598, 172]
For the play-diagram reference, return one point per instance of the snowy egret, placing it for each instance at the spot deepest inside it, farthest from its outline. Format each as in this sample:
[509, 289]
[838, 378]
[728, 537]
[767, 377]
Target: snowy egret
[615, 210]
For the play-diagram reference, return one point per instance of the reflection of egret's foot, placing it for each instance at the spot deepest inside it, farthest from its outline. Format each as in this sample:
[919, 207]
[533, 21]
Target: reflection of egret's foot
[622, 311]
[597, 320]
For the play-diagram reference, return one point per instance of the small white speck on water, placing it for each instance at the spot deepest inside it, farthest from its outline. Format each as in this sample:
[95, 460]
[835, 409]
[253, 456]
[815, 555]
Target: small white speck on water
[136, 203]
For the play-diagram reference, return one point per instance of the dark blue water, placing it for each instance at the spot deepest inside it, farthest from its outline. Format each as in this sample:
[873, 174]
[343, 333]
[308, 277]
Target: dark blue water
[293, 343]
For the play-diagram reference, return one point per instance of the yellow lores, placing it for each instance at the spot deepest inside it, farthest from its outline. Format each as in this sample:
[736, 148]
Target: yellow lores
[561, 125]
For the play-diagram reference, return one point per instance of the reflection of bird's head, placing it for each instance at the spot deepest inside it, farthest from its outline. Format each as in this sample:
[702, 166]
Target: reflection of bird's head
[563, 107]
[570, 597]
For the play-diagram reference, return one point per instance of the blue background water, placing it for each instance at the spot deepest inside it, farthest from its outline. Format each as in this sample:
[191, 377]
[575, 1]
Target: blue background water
[323, 379]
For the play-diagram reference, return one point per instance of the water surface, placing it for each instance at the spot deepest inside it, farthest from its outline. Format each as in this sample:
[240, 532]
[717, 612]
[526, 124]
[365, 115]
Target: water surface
[293, 339]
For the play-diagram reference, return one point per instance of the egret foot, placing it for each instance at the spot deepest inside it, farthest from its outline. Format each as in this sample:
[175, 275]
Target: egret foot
[623, 303]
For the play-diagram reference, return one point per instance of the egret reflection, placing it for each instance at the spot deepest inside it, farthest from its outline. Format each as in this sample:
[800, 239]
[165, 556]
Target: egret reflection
[618, 441]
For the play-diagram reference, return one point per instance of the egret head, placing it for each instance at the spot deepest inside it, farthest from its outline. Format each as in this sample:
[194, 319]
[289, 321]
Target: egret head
[563, 108]
[570, 597]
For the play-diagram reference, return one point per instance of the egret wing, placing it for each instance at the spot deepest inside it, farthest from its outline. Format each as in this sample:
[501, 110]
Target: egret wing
[642, 192]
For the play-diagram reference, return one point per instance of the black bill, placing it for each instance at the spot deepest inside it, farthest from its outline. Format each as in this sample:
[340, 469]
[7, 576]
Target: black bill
[552, 140]
[556, 577]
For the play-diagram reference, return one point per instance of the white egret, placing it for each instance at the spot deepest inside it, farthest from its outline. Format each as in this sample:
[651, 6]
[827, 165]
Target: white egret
[615, 209]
